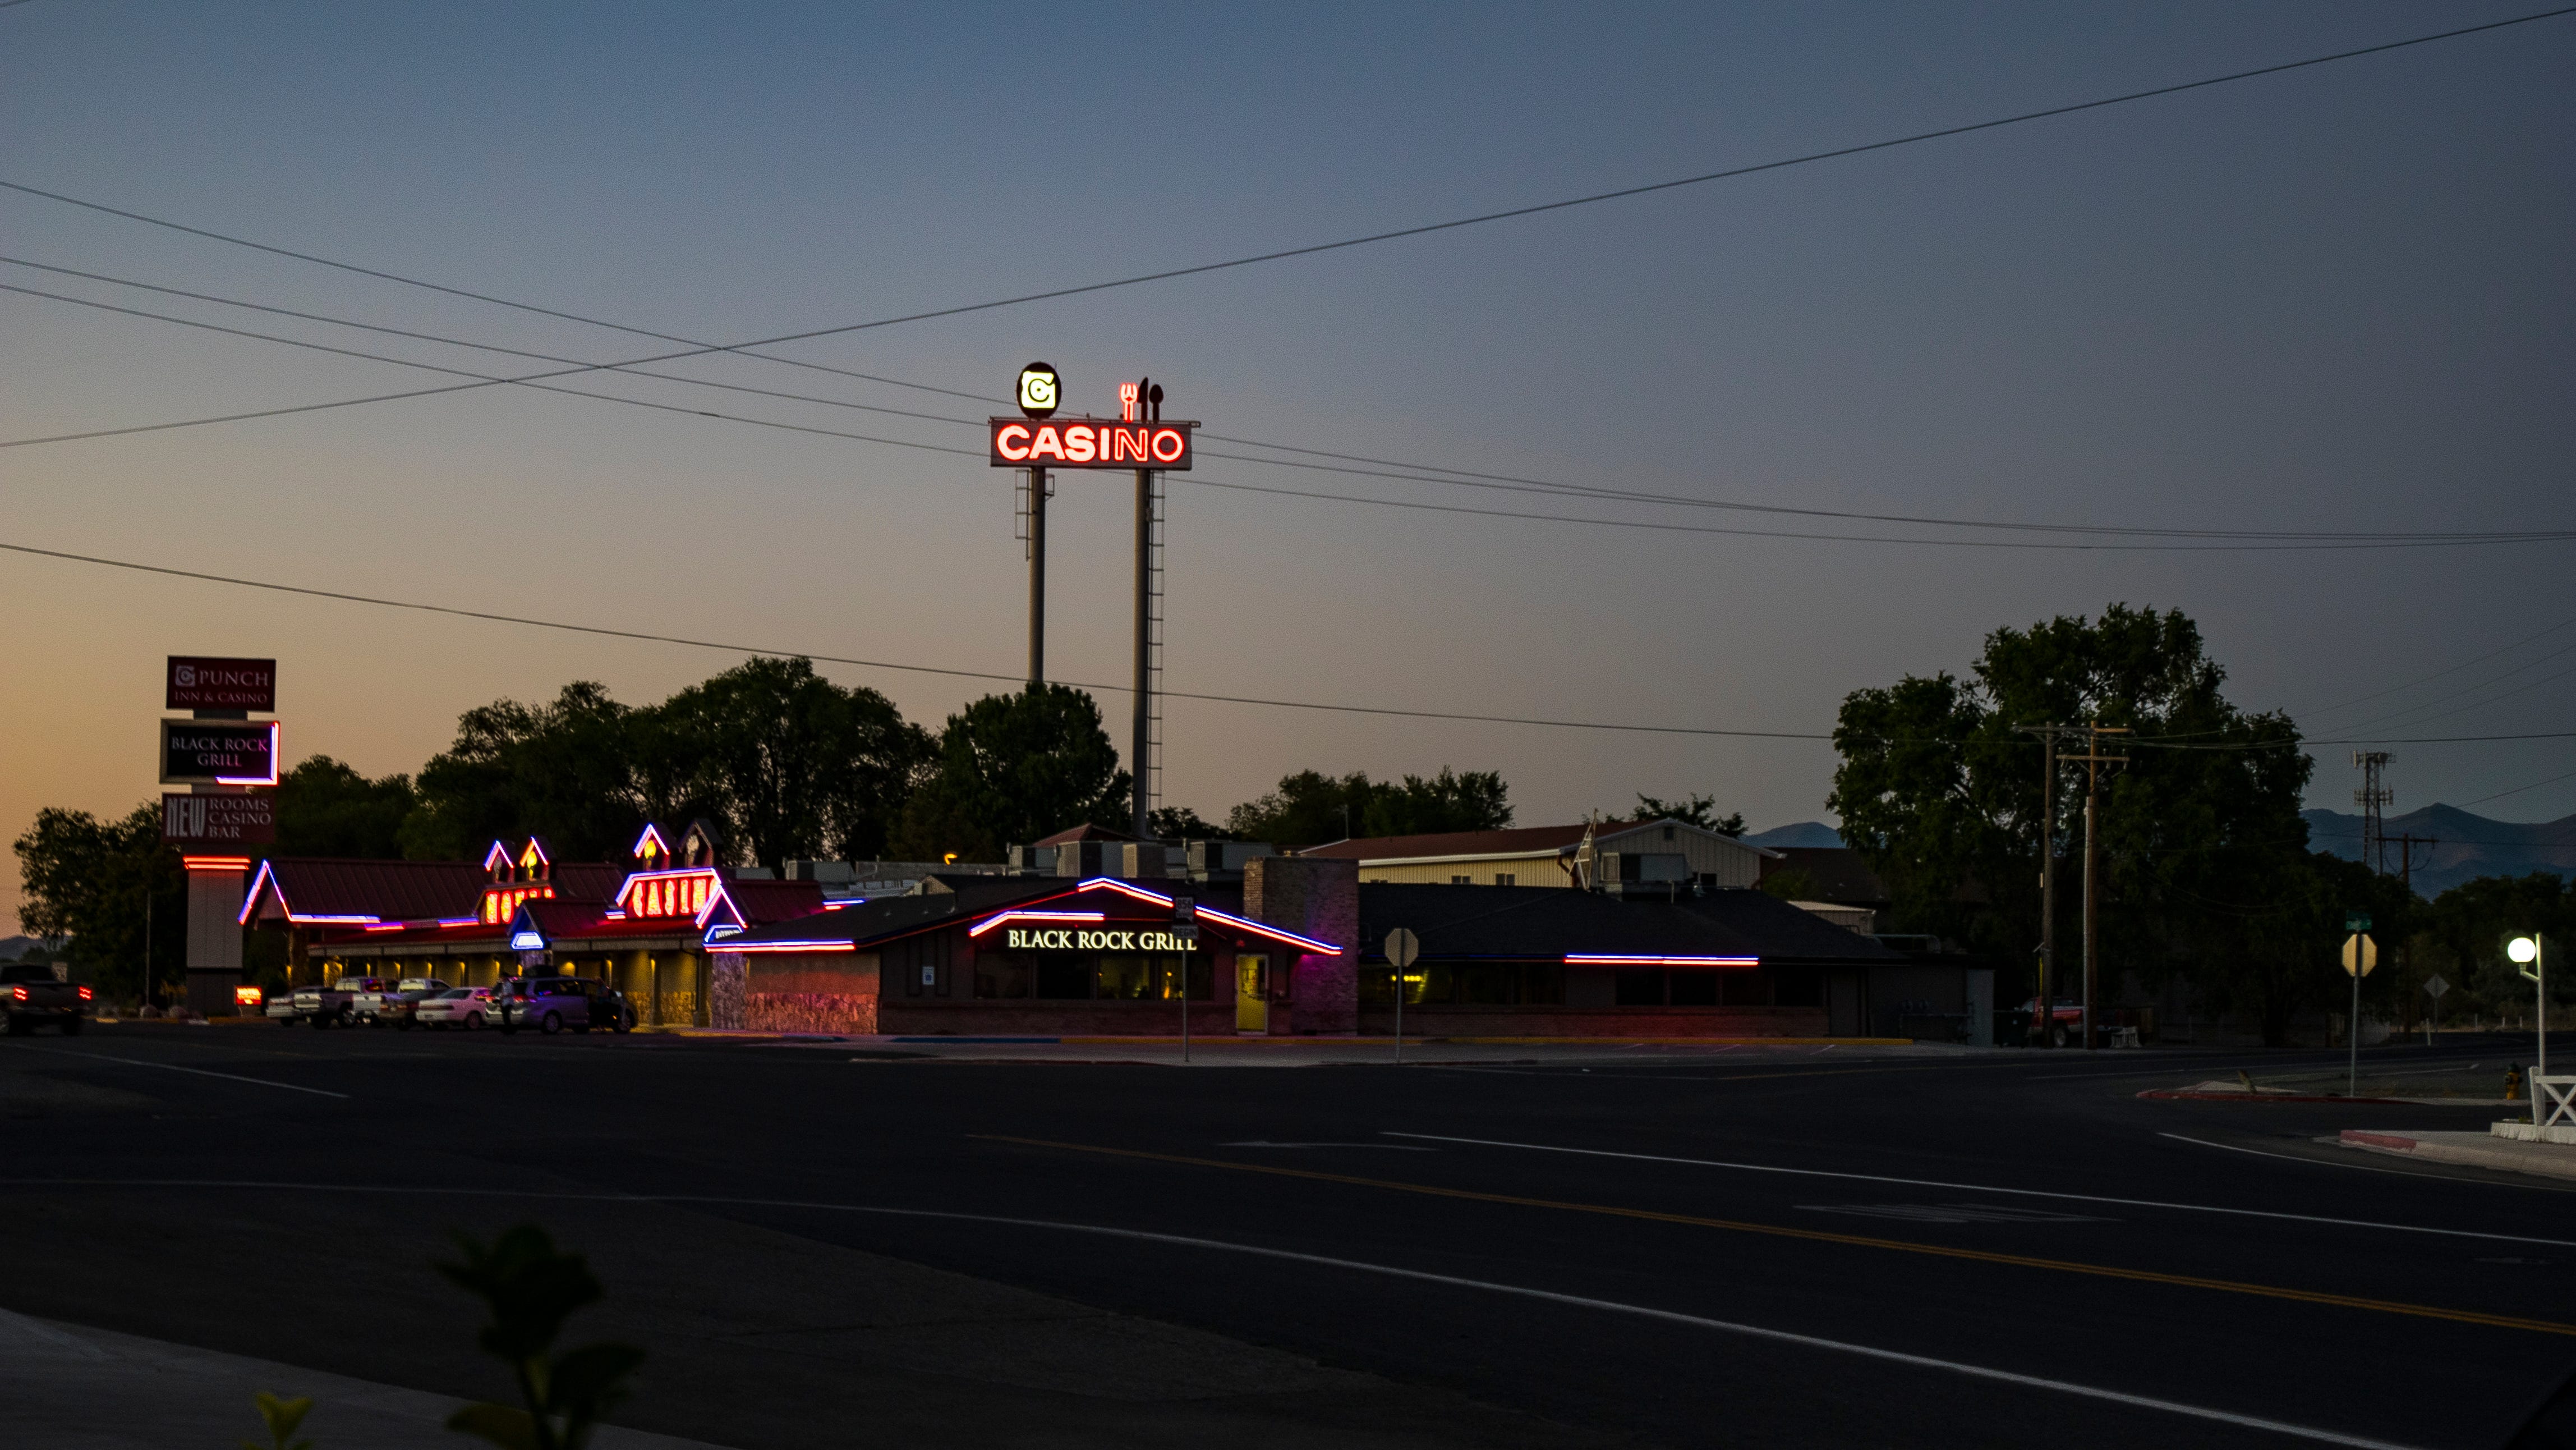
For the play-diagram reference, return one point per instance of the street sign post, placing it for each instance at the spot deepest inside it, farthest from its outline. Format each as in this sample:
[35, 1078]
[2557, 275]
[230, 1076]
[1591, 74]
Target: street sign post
[1185, 920]
[1402, 947]
[2360, 954]
[2434, 987]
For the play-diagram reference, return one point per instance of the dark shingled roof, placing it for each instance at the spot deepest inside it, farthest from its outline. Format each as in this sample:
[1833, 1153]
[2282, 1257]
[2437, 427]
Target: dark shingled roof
[1545, 922]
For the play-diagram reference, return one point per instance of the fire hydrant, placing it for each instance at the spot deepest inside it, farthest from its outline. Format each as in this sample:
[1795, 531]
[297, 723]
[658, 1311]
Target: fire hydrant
[2513, 1082]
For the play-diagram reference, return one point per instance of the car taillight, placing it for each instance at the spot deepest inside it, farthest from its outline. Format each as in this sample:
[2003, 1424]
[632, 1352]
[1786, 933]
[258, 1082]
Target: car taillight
[84, 994]
[18, 992]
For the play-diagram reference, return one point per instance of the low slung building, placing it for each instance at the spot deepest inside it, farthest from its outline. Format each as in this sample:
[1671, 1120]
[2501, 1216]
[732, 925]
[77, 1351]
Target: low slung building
[1555, 856]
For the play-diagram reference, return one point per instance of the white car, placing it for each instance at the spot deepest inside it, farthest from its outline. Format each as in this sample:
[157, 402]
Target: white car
[394, 1004]
[466, 1007]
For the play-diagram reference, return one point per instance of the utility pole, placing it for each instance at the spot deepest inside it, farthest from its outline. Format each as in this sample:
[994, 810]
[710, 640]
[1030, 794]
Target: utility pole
[2094, 760]
[2406, 845]
[2373, 798]
[2041, 1019]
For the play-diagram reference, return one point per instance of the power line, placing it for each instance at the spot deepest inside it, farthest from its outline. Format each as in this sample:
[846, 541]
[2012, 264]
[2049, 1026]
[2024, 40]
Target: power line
[2268, 543]
[2517, 790]
[1410, 471]
[2453, 670]
[1020, 678]
[1312, 249]
[1015, 679]
[1406, 472]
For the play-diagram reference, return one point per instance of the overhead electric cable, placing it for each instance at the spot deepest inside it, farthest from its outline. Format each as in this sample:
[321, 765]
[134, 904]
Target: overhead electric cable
[2517, 790]
[2267, 544]
[1012, 678]
[1311, 249]
[2453, 670]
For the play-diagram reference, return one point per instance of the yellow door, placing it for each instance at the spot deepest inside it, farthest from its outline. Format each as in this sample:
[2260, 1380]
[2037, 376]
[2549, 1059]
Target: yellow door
[1251, 994]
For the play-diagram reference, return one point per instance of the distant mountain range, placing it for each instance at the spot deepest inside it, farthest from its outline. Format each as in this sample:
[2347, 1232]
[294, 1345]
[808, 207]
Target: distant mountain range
[2466, 846]
[1803, 834]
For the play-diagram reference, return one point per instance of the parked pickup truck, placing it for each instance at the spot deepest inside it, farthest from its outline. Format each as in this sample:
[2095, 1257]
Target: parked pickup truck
[30, 994]
[330, 1006]
[394, 1004]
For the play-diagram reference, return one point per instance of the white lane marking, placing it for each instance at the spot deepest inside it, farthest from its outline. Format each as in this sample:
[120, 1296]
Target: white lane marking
[1668, 1316]
[1382, 1147]
[2365, 1167]
[199, 1071]
[2457, 1233]
[1953, 1213]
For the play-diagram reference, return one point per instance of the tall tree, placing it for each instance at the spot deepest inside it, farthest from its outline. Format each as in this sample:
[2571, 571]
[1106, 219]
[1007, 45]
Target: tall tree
[87, 883]
[1697, 810]
[2200, 831]
[1011, 769]
[1475, 800]
[568, 770]
[327, 808]
[1310, 808]
[797, 765]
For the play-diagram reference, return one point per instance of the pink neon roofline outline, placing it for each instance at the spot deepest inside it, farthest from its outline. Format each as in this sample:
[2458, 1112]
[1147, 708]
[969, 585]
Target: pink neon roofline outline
[1257, 928]
[268, 779]
[789, 946]
[250, 898]
[502, 850]
[998, 918]
[651, 833]
[351, 920]
[1578, 959]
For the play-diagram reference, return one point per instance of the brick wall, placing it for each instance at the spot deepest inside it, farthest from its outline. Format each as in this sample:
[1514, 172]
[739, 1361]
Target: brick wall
[1319, 898]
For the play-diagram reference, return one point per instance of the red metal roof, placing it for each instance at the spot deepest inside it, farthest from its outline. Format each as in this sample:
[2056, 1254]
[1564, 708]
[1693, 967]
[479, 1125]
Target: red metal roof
[305, 886]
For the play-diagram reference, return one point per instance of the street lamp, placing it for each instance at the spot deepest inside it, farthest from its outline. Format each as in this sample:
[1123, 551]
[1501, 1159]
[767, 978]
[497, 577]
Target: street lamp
[2525, 951]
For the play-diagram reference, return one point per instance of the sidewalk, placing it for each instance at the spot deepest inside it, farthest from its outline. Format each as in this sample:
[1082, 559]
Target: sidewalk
[70, 1388]
[2476, 1150]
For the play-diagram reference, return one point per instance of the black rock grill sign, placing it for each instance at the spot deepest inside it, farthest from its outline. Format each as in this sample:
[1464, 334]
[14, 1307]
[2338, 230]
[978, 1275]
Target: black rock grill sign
[213, 752]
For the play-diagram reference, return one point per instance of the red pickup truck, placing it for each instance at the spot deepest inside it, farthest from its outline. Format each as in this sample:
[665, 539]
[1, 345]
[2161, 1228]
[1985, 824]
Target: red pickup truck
[30, 993]
[2065, 1020]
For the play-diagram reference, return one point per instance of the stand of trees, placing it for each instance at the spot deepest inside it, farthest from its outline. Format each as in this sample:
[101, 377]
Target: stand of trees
[1311, 808]
[2205, 866]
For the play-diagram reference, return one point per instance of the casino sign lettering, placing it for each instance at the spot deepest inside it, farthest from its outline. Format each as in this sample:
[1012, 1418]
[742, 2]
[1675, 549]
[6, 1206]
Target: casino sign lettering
[1090, 443]
[1065, 939]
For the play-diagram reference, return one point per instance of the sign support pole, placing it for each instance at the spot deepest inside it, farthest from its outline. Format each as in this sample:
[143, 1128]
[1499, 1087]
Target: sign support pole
[1037, 576]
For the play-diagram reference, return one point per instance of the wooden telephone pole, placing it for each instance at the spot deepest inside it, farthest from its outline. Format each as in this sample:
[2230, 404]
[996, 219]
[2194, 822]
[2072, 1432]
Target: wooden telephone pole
[2094, 760]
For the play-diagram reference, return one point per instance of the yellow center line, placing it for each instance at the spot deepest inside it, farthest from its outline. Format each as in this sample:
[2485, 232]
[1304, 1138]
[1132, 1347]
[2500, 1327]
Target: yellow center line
[1824, 1236]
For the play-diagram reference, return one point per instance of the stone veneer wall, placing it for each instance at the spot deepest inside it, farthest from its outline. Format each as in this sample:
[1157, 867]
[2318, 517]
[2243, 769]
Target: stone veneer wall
[790, 992]
[725, 977]
[1319, 898]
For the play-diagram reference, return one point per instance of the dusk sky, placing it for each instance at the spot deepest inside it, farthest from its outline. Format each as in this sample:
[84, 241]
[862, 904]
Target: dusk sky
[2336, 299]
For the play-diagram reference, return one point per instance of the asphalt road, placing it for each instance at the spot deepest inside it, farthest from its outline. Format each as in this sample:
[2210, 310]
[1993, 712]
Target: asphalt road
[825, 1247]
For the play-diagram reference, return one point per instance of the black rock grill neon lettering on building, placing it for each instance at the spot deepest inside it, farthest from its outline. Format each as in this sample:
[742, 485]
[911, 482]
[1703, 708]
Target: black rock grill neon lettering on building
[1058, 939]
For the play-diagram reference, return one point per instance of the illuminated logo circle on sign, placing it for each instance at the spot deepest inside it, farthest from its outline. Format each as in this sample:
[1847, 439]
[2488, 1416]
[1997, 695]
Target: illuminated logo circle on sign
[187, 674]
[1039, 390]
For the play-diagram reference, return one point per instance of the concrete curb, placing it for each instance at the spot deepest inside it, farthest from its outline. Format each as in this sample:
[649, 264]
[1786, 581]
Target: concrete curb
[2188, 1095]
[2476, 1150]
